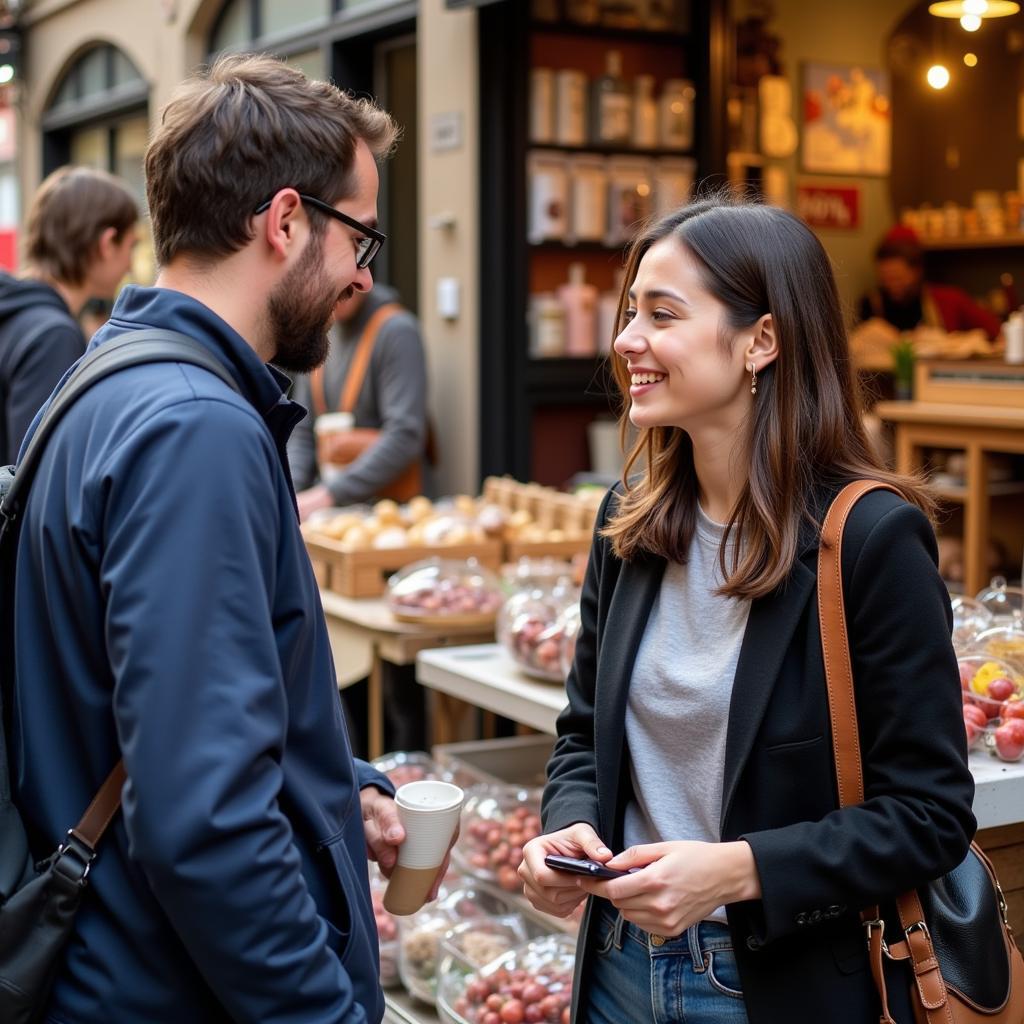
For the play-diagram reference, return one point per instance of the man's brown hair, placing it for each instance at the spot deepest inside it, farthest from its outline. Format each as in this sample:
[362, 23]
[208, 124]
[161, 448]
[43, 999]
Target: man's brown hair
[69, 213]
[237, 132]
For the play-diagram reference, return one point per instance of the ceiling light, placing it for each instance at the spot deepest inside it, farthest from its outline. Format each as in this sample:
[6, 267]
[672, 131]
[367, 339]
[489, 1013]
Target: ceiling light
[938, 76]
[971, 59]
[978, 8]
[970, 22]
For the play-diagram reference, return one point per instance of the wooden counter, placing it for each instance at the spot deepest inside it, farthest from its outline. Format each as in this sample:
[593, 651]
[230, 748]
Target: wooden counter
[978, 431]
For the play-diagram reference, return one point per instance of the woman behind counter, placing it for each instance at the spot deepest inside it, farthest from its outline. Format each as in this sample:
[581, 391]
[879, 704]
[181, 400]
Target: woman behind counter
[697, 734]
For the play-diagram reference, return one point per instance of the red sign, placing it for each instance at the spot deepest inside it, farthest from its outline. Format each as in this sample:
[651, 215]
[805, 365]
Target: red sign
[829, 206]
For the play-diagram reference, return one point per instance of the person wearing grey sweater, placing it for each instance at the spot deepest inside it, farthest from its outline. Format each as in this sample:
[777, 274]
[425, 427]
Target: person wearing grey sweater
[393, 399]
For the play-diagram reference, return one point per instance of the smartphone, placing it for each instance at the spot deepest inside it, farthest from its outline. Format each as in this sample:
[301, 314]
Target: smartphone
[581, 866]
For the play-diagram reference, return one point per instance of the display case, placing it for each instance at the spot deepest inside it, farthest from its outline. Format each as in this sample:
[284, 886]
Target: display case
[559, 194]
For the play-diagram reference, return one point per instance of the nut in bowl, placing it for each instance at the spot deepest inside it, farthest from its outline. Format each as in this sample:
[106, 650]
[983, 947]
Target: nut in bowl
[531, 631]
[445, 591]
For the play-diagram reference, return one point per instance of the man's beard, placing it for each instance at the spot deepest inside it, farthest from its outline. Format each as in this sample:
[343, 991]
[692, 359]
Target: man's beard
[300, 310]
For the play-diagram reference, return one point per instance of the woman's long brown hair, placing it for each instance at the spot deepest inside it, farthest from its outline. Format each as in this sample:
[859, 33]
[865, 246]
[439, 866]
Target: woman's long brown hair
[806, 431]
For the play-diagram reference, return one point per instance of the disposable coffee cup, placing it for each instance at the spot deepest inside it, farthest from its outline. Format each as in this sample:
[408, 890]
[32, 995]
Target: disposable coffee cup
[429, 812]
[333, 423]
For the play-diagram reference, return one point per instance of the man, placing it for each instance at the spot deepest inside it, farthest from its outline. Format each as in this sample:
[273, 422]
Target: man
[79, 239]
[167, 612]
[904, 300]
[392, 398]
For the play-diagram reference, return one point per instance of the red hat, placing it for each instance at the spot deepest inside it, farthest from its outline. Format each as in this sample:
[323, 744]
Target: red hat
[902, 235]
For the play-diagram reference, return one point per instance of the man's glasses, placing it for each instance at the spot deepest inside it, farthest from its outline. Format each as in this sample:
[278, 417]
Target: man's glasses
[366, 247]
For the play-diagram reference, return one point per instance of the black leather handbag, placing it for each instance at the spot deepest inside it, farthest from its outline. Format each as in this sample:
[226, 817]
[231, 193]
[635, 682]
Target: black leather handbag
[962, 965]
[38, 902]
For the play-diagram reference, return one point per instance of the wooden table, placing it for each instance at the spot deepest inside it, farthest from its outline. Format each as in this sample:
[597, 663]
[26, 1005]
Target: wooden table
[976, 430]
[364, 634]
[484, 675]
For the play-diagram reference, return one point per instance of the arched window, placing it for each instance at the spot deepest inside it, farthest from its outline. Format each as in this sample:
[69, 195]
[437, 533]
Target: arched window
[99, 117]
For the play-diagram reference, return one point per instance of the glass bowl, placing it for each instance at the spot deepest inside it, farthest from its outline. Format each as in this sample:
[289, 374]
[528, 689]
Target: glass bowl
[528, 628]
[473, 944]
[1005, 642]
[422, 932]
[970, 617]
[409, 766]
[535, 574]
[445, 590]
[497, 822]
[387, 930]
[570, 622]
[989, 683]
[1005, 603]
[532, 982]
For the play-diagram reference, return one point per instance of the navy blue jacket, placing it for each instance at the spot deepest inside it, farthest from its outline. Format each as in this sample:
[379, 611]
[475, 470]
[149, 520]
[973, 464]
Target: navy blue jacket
[166, 612]
[39, 340]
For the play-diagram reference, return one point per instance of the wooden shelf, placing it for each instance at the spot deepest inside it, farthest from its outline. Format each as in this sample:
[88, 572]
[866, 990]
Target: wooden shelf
[980, 242]
[599, 149]
[618, 35]
[956, 494]
[582, 379]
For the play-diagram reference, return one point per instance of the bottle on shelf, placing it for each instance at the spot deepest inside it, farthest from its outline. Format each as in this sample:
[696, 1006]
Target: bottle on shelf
[645, 113]
[1013, 335]
[571, 108]
[579, 300]
[608, 313]
[675, 114]
[542, 105]
[612, 106]
[622, 13]
[583, 12]
[547, 326]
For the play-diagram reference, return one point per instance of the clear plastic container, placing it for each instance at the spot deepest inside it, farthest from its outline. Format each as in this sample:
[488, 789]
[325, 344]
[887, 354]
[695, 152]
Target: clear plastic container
[387, 930]
[497, 822]
[1004, 737]
[989, 683]
[970, 617]
[409, 766]
[534, 980]
[443, 590]
[535, 574]
[570, 622]
[529, 629]
[1005, 603]
[422, 932]
[470, 945]
[1005, 642]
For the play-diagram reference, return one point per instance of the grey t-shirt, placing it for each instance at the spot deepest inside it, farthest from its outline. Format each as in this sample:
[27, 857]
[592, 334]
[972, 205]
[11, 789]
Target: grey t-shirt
[677, 715]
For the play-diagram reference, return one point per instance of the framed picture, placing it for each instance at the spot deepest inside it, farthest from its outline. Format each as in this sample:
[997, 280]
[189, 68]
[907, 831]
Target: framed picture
[847, 118]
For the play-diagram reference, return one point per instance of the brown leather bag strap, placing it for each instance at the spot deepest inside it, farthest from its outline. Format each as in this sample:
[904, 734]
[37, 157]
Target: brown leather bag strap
[101, 811]
[361, 360]
[835, 644]
[842, 709]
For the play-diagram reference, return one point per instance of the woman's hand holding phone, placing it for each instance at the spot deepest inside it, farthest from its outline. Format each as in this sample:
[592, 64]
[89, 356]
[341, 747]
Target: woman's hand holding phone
[559, 892]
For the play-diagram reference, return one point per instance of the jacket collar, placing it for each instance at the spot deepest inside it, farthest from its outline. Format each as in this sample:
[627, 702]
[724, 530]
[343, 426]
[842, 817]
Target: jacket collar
[264, 386]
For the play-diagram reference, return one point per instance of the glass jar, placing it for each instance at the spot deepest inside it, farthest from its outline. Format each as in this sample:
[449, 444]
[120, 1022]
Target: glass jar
[534, 980]
[1003, 601]
[409, 766]
[497, 822]
[528, 628]
[1005, 642]
[445, 591]
[970, 617]
[989, 683]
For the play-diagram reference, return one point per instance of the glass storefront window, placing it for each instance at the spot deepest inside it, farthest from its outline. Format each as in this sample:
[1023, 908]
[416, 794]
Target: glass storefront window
[280, 16]
[311, 62]
[90, 148]
[234, 26]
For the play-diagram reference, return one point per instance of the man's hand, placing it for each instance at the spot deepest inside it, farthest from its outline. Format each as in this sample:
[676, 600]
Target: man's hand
[382, 828]
[679, 883]
[312, 499]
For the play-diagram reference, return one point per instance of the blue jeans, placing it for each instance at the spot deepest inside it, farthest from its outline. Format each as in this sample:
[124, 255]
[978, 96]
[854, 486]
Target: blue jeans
[636, 977]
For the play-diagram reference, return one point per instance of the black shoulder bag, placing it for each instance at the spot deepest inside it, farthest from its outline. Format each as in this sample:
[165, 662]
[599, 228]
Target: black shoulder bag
[38, 902]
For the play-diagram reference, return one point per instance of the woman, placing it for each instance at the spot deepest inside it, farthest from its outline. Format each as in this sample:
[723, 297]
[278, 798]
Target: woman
[697, 728]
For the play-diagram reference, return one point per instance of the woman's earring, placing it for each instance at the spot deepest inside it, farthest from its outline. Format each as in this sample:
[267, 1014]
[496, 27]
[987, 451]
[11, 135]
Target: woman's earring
[753, 379]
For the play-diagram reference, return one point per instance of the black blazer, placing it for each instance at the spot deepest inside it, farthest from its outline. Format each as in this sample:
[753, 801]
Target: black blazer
[801, 950]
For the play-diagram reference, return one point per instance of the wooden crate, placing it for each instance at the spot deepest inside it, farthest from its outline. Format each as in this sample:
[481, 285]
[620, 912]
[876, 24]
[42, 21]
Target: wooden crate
[365, 573]
[986, 382]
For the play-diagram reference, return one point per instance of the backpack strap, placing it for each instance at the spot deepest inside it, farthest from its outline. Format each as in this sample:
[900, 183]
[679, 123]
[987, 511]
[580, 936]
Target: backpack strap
[132, 349]
[361, 359]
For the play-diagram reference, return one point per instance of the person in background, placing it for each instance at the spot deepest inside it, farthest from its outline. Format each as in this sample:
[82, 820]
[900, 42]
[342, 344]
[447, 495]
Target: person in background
[79, 238]
[390, 396]
[696, 740]
[168, 615]
[904, 300]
